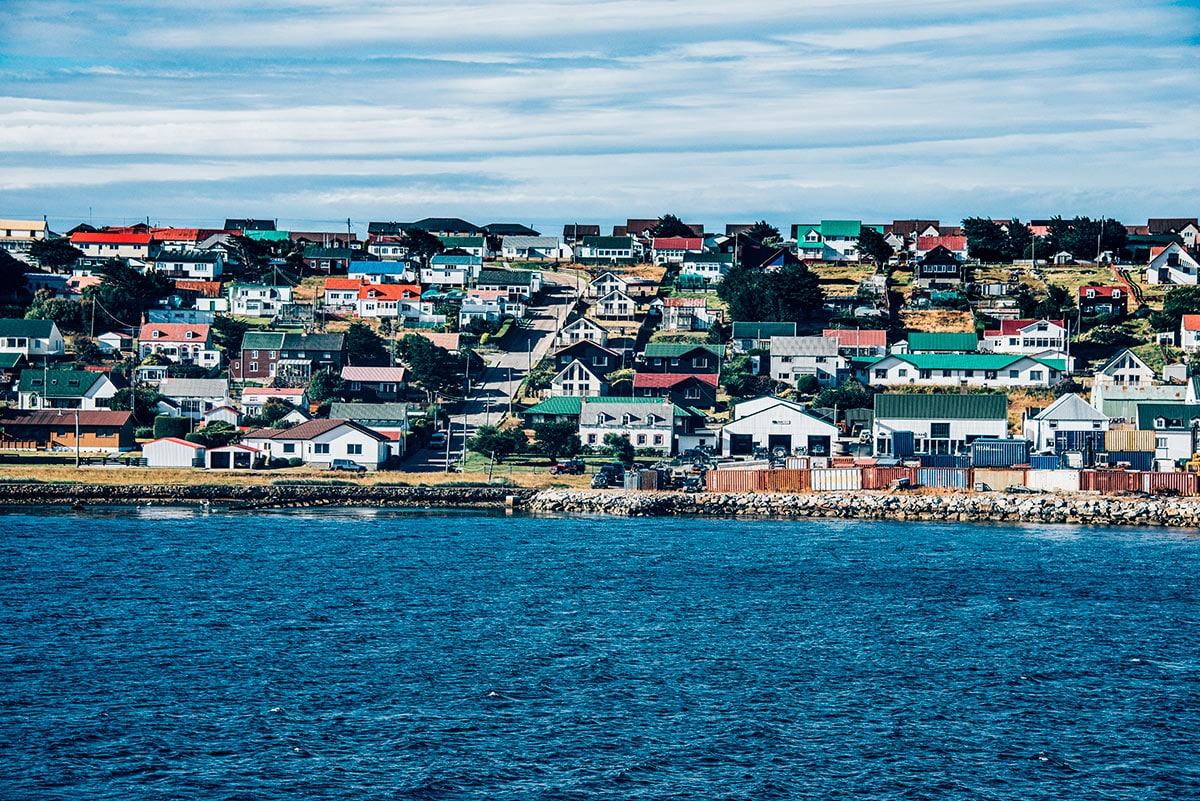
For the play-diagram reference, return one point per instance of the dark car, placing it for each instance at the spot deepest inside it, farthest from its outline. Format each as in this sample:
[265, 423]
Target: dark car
[571, 467]
[347, 465]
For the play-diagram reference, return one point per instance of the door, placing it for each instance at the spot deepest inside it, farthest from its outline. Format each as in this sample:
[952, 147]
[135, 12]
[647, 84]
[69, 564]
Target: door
[741, 444]
[818, 446]
[779, 441]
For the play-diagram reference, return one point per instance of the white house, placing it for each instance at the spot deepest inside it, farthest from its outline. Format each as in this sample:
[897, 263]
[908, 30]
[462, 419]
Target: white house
[609, 249]
[684, 314]
[1029, 337]
[582, 330]
[606, 283]
[64, 389]
[1125, 368]
[319, 442]
[941, 423]
[1069, 413]
[532, 247]
[1172, 265]
[706, 268]
[672, 249]
[18, 236]
[114, 341]
[795, 357]
[254, 399]
[451, 271]
[776, 423]
[195, 396]
[31, 338]
[576, 379]
[222, 414]
[173, 452]
[1176, 428]
[257, 300]
[189, 265]
[647, 425]
[179, 342]
[963, 369]
[615, 306]
[1189, 333]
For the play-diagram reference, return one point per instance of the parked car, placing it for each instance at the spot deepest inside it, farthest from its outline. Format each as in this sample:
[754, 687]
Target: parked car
[570, 467]
[347, 465]
[437, 439]
[600, 481]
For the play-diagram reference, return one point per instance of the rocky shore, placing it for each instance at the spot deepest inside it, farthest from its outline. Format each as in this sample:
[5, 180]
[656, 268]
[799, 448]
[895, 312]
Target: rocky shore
[990, 507]
[985, 507]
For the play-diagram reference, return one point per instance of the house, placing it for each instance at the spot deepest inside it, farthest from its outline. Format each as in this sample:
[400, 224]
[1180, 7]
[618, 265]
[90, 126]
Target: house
[1112, 300]
[286, 358]
[1189, 333]
[319, 442]
[443, 227]
[1030, 337]
[773, 423]
[502, 230]
[858, 341]
[597, 358]
[939, 267]
[540, 248]
[64, 389]
[180, 343]
[928, 423]
[327, 259]
[579, 379]
[468, 245]
[451, 271]
[257, 300]
[18, 236]
[672, 249]
[376, 384]
[1186, 228]
[1176, 428]
[581, 330]
[513, 282]
[757, 336]
[107, 245]
[204, 297]
[195, 396]
[660, 357]
[955, 245]
[648, 425]
[253, 400]
[609, 250]
[795, 357]
[964, 369]
[387, 249]
[232, 457]
[220, 414]
[1045, 428]
[389, 419]
[704, 269]
[1125, 368]
[31, 338]
[99, 431]
[246, 225]
[394, 301]
[950, 342]
[111, 342]
[342, 293]
[383, 272]
[173, 452]
[1172, 265]
[831, 240]
[190, 265]
[569, 409]
[1119, 402]
[614, 306]
[696, 390]
[573, 233]
[685, 314]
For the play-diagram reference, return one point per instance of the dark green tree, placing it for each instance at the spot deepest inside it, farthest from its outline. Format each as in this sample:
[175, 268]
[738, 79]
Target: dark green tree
[618, 446]
[670, 225]
[794, 293]
[145, 404]
[12, 277]
[435, 369]
[557, 439]
[364, 347]
[124, 293]
[850, 395]
[65, 313]
[422, 244]
[740, 380]
[1180, 300]
[496, 442]
[216, 434]
[55, 254]
[763, 232]
[325, 387]
[986, 240]
[227, 333]
[87, 352]
[1056, 305]
[1019, 238]
[872, 245]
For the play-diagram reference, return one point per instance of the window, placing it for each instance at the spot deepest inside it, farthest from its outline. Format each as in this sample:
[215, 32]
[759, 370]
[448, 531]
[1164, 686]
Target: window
[591, 439]
[320, 447]
[289, 447]
[1035, 375]
[968, 373]
[658, 439]
[692, 393]
[674, 362]
[253, 367]
[1160, 442]
[880, 373]
[947, 373]
[354, 449]
[271, 355]
[641, 439]
[600, 361]
[253, 354]
[939, 431]
[700, 361]
[1014, 373]
[926, 373]
[902, 372]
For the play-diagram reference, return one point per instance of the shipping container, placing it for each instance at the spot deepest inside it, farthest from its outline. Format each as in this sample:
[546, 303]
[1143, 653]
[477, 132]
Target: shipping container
[903, 443]
[1129, 440]
[836, 479]
[785, 480]
[953, 477]
[943, 460]
[995, 480]
[1110, 481]
[1137, 460]
[841, 461]
[877, 478]
[734, 480]
[999, 452]
[1053, 480]
[1045, 462]
[796, 463]
[1078, 441]
[1170, 483]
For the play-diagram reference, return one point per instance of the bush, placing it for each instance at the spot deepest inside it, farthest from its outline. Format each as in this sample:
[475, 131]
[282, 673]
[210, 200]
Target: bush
[143, 432]
[177, 427]
[295, 461]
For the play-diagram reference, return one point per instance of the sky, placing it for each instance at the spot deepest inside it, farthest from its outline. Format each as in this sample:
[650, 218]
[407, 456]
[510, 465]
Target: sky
[314, 112]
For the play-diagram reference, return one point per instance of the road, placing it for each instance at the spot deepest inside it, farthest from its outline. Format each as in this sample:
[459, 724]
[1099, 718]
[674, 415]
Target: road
[491, 394]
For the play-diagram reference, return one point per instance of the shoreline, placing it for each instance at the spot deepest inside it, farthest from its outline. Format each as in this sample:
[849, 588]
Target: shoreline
[996, 507]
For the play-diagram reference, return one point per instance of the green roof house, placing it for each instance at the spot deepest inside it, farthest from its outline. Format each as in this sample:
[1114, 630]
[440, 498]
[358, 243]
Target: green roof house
[64, 389]
[31, 338]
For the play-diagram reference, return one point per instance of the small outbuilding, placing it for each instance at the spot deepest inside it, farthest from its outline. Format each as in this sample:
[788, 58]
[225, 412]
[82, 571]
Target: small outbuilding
[173, 452]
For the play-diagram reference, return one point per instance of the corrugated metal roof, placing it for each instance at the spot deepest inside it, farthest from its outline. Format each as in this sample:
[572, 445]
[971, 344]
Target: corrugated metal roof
[58, 383]
[803, 346]
[920, 340]
[671, 350]
[929, 406]
[763, 330]
[34, 329]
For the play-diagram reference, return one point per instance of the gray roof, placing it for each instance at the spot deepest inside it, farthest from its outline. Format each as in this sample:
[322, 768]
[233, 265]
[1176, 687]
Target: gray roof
[194, 387]
[592, 414]
[530, 242]
[505, 277]
[1071, 407]
[369, 414]
[803, 346]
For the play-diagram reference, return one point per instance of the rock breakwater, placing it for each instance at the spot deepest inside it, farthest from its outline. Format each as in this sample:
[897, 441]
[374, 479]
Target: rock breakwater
[991, 507]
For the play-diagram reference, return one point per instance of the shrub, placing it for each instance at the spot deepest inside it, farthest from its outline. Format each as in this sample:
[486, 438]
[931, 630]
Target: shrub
[143, 432]
[177, 427]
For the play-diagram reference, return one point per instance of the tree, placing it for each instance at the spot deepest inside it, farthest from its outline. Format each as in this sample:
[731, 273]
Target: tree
[498, 443]
[1020, 240]
[986, 240]
[66, 314]
[1055, 306]
[273, 411]
[557, 439]
[670, 225]
[1180, 300]
[850, 395]
[124, 293]
[422, 244]
[364, 347]
[145, 408]
[1084, 238]
[12, 278]
[790, 294]
[325, 387]
[740, 380]
[872, 245]
[436, 369]
[227, 333]
[763, 232]
[216, 434]
[55, 254]
[618, 446]
[87, 352]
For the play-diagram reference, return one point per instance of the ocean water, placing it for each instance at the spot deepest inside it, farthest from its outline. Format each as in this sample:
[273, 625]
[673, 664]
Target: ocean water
[364, 654]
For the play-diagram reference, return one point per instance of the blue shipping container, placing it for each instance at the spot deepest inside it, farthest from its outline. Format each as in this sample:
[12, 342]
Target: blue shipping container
[1044, 462]
[999, 452]
[902, 444]
[1138, 460]
[943, 460]
[1078, 441]
[955, 477]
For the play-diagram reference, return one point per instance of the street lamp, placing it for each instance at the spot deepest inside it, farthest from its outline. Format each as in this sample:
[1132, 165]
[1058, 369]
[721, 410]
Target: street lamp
[76, 436]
